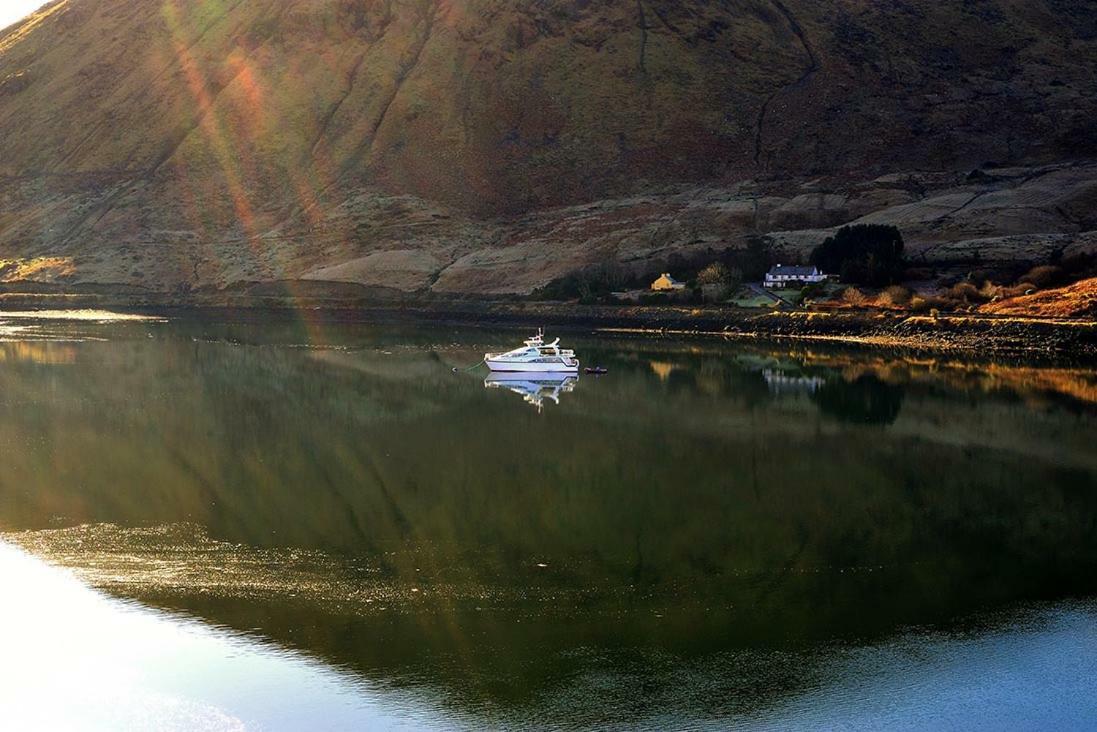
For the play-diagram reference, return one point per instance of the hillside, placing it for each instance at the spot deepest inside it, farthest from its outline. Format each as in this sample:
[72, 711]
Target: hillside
[1077, 300]
[486, 146]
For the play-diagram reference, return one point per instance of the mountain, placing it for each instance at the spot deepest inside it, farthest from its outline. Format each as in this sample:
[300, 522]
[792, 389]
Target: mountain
[488, 146]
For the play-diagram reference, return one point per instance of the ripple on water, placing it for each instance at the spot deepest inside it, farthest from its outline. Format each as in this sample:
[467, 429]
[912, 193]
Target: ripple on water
[183, 560]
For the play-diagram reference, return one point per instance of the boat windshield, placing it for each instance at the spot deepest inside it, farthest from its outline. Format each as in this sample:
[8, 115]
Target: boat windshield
[536, 351]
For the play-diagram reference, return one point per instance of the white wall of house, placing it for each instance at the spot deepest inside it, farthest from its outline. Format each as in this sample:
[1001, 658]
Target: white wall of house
[778, 279]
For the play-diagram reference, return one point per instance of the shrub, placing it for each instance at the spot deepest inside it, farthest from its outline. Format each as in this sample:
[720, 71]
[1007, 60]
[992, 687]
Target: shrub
[896, 295]
[965, 292]
[989, 290]
[714, 274]
[853, 296]
[865, 254]
[924, 303]
[1043, 276]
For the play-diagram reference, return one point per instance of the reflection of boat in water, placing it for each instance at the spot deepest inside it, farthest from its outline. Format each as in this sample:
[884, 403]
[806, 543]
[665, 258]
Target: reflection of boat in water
[533, 387]
[535, 356]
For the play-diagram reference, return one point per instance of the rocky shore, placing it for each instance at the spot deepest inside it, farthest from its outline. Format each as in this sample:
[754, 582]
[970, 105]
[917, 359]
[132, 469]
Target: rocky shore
[961, 333]
[973, 334]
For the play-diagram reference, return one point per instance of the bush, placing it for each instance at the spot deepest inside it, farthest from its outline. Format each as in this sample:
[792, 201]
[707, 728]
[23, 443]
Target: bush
[864, 254]
[853, 296]
[1043, 276]
[896, 295]
[990, 291]
[714, 274]
[965, 292]
[923, 303]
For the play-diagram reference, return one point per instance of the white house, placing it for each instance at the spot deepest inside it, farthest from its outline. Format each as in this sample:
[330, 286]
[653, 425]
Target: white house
[783, 274]
[666, 283]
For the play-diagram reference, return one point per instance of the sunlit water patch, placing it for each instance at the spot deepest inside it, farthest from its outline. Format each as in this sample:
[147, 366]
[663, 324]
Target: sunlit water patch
[21, 326]
[76, 659]
[77, 315]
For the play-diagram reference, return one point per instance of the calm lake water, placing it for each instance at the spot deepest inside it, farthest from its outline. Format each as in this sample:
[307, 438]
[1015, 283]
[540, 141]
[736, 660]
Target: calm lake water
[209, 525]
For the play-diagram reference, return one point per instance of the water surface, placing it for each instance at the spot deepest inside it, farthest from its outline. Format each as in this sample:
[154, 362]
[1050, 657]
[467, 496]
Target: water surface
[225, 525]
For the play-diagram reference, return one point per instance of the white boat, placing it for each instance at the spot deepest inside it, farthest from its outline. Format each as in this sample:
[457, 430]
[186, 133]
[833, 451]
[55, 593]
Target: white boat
[534, 388]
[535, 356]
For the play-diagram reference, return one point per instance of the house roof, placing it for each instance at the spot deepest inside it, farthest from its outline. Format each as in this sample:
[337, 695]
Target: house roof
[793, 270]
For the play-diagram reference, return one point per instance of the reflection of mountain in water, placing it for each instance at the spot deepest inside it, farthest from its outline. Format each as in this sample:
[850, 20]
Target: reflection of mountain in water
[340, 498]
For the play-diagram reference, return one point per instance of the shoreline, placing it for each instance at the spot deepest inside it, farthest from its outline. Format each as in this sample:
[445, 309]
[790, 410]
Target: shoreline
[974, 334]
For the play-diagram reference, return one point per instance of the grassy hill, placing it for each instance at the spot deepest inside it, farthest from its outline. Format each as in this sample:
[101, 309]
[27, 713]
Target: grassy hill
[489, 146]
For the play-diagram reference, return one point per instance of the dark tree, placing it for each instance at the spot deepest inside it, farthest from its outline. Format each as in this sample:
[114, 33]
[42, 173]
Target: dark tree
[862, 254]
[755, 259]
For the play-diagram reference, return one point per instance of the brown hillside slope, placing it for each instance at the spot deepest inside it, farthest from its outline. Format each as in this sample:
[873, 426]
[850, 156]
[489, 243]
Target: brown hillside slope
[1074, 301]
[490, 145]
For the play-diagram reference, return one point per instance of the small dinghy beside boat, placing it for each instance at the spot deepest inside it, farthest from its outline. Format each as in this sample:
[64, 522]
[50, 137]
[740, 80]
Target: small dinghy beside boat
[535, 356]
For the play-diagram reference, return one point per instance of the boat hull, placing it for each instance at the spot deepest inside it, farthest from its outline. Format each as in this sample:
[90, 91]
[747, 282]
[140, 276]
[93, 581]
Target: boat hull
[530, 368]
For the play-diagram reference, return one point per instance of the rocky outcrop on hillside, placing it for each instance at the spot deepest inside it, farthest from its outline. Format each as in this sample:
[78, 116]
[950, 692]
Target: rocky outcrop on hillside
[489, 146]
